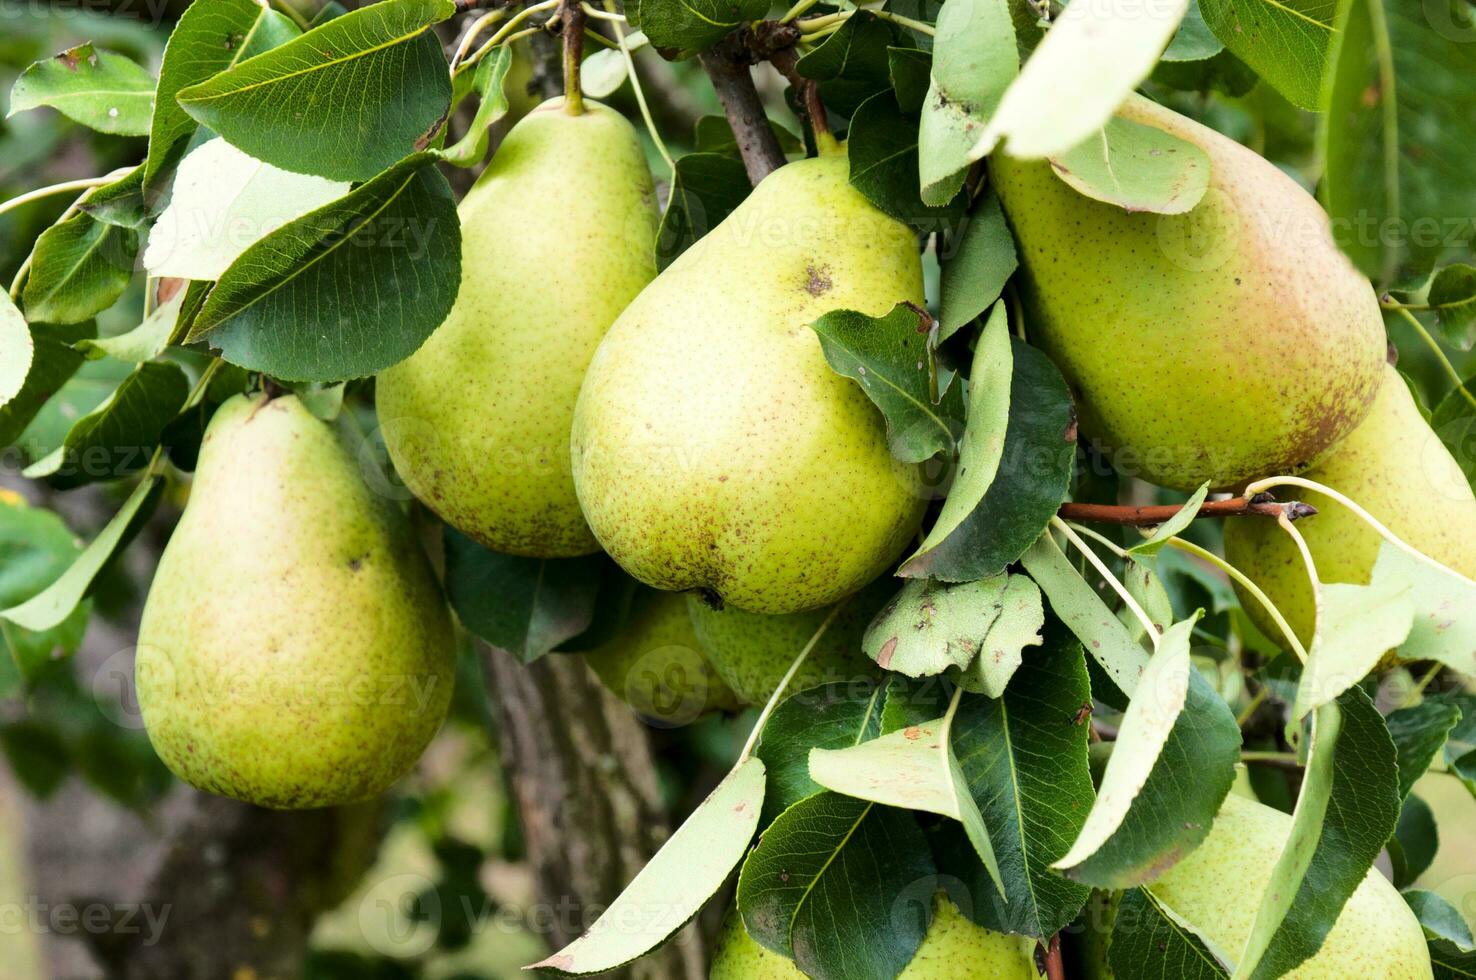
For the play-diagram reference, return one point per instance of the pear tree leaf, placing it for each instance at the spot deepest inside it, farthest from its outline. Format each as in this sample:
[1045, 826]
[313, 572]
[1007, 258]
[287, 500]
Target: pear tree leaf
[832, 716]
[1142, 582]
[1151, 943]
[1193, 41]
[37, 547]
[1453, 299]
[1396, 147]
[223, 202]
[1024, 758]
[1090, 60]
[51, 606]
[1440, 919]
[914, 768]
[601, 74]
[883, 148]
[50, 365]
[674, 885]
[489, 82]
[1415, 842]
[824, 884]
[1285, 42]
[890, 358]
[929, 627]
[914, 700]
[526, 606]
[79, 268]
[1137, 168]
[1356, 624]
[852, 64]
[208, 39]
[1348, 808]
[978, 262]
[691, 25]
[100, 89]
[166, 323]
[348, 289]
[974, 61]
[1450, 962]
[1444, 602]
[1079, 606]
[119, 203]
[1454, 421]
[18, 350]
[910, 70]
[345, 100]
[1171, 528]
[705, 189]
[1000, 514]
[1419, 733]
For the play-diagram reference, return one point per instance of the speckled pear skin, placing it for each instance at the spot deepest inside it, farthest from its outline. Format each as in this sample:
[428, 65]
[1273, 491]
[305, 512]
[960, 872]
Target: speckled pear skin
[714, 448]
[295, 650]
[1222, 345]
[953, 949]
[751, 652]
[558, 235]
[1397, 468]
[1218, 888]
[657, 665]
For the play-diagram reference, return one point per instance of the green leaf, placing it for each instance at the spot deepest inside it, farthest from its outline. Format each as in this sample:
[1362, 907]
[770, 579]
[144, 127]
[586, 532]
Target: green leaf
[882, 144]
[712, 134]
[1092, 58]
[974, 61]
[1356, 625]
[37, 755]
[1171, 528]
[115, 439]
[78, 269]
[831, 716]
[1348, 808]
[1194, 41]
[1454, 420]
[691, 25]
[222, 203]
[488, 82]
[209, 38]
[824, 882]
[978, 262]
[705, 189]
[674, 885]
[36, 547]
[51, 364]
[346, 290]
[1450, 962]
[99, 89]
[1444, 602]
[911, 72]
[374, 83]
[48, 608]
[889, 357]
[526, 606]
[1285, 41]
[1149, 943]
[1396, 145]
[120, 202]
[15, 341]
[1415, 842]
[1136, 168]
[147, 340]
[851, 65]
[1024, 757]
[1440, 919]
[1419, 733]
[996, 519]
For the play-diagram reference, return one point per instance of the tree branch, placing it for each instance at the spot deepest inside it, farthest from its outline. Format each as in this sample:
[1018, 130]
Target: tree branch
[728, 66]
[1261, 505]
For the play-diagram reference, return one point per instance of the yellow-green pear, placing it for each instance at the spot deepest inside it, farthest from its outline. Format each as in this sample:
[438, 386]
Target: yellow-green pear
[752, 652]
[1231, 342]
[1395, 467]
[953, 949]
[295, 650]
[658, 666]
[714, 448]
[1217, 890]
[558, 235]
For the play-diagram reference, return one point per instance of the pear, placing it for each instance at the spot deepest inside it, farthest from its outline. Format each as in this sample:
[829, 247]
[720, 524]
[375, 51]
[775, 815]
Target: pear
[1397, 469]
[558, 235]
[714, 448]
[1217, 890]
[295, 650]
[752, 652]
[953, 948]
[1221, 345]
[658, 666]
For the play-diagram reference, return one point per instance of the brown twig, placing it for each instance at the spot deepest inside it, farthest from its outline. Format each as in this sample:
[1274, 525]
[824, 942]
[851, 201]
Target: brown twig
[728, 67]
[1261, 505]
[786, 60]
[1054, 968]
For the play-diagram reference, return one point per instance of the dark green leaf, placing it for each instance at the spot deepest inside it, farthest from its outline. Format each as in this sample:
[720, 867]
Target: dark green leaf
[345, 100]
[705, 189]
[52, 363]
[1194, 41]
[1440, 919]
[1419, 733]
[911, 73]
[691, 25]
[78, 269]
[1414, 844]
[35, 549]
[526, 606]
[1285, 42]
[488, 83]
[914, 700]
[346, 290]
[1450, 962]
[882, 143]
[119, 203]
[1453, 298]
[1454, 420]
[833, 716]
[1149, 944]
[979, 260]
[851, 65]
[99, 89]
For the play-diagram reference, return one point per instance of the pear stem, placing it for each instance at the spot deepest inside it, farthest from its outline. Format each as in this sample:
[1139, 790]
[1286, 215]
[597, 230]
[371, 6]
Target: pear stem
[571, 24]
[787, 62]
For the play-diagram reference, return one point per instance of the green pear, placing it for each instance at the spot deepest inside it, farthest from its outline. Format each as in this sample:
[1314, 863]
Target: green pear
[1217, 890]
[295, 650]
[558, 236]
[714, 448]
[752, 652]
[1221, 345]
[657, 664]
[1395, 467]
[953, 948]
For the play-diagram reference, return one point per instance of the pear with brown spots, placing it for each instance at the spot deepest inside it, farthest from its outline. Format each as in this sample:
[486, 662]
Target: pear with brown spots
[1228, 343]
[557, 236]
[713, 446]
[295, 650]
